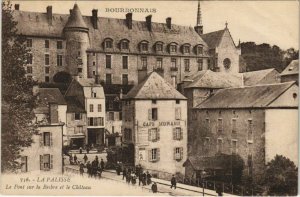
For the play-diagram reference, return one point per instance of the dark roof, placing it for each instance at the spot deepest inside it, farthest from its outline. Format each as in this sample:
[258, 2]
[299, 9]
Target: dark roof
[154, 87]
[210, 79]
[260, 96]
[87, 82]
[73, 105]
[292, 68]
[51, 95]
[113, 28]
[254, 77]
[213, 39]
[75, 19]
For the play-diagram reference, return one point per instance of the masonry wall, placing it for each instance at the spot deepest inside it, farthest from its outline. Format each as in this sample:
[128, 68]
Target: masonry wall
[199, 130]
[72, 125]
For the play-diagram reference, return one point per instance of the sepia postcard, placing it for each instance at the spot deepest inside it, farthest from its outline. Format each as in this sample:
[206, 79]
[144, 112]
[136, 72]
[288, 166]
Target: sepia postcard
[149, 98]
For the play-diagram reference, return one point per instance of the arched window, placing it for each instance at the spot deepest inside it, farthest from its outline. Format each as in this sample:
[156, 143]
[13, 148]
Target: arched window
[108, 43]
[144, 46]
[124, 44]
[173, 47]
[186, 48]
[199, 49]
[159, 46]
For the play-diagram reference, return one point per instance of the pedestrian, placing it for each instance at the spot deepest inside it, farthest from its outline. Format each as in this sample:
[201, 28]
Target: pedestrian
[97, 160]
[85, 158]
[133, 178]
[87, 149]
[154, 187]
[71, 159]
[128, 177]
[173, 182]
[81, 170]
[80, 150]
[219, 190]
[75, 159]
[144, 177]
[124, 173]
[89, 169]
[148, 178]
[140, 178]
[94, 168]
[102, 164]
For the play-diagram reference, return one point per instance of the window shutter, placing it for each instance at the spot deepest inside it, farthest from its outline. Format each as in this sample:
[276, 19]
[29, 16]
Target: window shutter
[41, 139]
[174, 133]
[181, 134]
[181, 153]
[174, 153]
[157, 154]
[73, 116]
[41, 162]
[149, 134]
[51, 139]
[177, 113]
[150, 155]
[51, 161]
[149, 114]
[158, 134]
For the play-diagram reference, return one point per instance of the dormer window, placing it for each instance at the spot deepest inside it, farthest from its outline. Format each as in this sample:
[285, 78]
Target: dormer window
[199, 50]
[144, 46]
[159, 47]
[108, 43]
[124, 44]
[173, 48]
[186, 48]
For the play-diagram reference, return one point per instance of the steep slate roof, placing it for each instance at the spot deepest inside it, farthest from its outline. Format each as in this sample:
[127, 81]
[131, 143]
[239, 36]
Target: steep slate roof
[292, 68]
[113, 28]
[254, 77]
[260, 96]
[154, 87]
[213, 39]
[210, 79]
[73, 105]
[51, 95]
[75, 19]
[89, 82]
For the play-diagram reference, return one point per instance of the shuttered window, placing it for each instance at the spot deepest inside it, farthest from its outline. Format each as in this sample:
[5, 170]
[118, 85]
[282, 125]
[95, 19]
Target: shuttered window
[46, 162]
[177, 113]
[46, 139]
[152, 114]
[177, 133]
[220, 125]
[154, 134]
[250, 130]
[178, 153]
[154, 155]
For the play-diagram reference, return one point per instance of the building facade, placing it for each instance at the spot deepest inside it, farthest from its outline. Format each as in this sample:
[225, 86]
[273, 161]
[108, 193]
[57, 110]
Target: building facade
[291, 72]
[154, 122]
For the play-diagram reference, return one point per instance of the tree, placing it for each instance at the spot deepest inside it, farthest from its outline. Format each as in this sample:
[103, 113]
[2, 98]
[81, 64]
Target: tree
[281, 176]
[17, 100]
[62, 77]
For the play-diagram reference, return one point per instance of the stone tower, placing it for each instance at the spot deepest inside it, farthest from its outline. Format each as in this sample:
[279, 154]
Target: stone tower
[199, 27]
[77, 42]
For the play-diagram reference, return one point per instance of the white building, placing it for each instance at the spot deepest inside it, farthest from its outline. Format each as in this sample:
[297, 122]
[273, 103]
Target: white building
[155, 123]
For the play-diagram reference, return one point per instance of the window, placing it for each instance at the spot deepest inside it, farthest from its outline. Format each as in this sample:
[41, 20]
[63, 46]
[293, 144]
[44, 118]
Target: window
[173, 48]
[177, 101]
[125, 79]
[177, 113]
[250, 164]
[111, 116]
[153, 101]
[46, 162]
[94, 72]
[144, 46]
[94, 95]
[99, 107]
[108, 79]
[159, 63]
[108, 61]
[177, 133]
[154, 154]
[124, 45]
[59, 60]
[153, 134]
[144, 62]
[199, 50]
[94, 54]
[173, 63]
[207, 124]
[159, 47]
[219, 145]
[233, 146]
[94, 63]
[220, 125]
[91, 108]
[120, 115]
[186, 65]
[186, 49]
[127, 134]
[47, 70]
[79, 129]
[24, 167]
[95, 121]
[46, 138]
[59, 44]
[233, 125]
[152, 114]
[29, 42]
[47, 78]
[178, 153]
[125, 62]
[250, 130]
[200, 64]
[47, 44]
[79, 70]
[29, 69]
[206, 143]
[110, 104]
[29, 58]
[77, 116]
[108, 44]
[47, 59]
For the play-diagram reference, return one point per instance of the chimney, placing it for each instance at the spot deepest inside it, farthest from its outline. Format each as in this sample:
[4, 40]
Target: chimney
[49, 14]
[95, 18]
[17, 6]
[129, 20]
[148, 22]
[70, 11]
[169, 22]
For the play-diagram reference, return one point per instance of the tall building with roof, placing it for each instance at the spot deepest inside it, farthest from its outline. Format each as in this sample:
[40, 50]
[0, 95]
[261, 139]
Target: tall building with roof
[121, 51]
[291, 72]
[154, 127]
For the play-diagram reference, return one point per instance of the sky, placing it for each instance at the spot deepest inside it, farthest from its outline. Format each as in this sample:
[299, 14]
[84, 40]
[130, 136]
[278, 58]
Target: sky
[272, 22]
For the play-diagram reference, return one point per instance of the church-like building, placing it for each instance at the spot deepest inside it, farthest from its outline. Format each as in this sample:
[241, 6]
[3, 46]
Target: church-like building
[121, 51]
